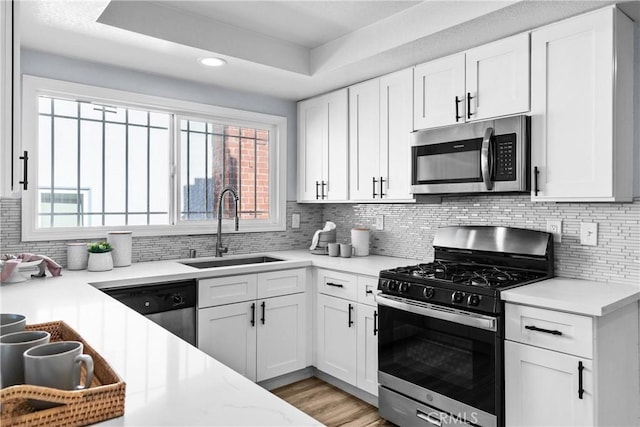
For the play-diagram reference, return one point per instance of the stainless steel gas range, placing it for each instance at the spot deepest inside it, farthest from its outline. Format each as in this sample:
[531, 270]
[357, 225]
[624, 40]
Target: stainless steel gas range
[440, 346]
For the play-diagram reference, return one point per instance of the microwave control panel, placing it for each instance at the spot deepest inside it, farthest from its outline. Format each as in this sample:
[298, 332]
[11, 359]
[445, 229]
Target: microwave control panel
[505, 157]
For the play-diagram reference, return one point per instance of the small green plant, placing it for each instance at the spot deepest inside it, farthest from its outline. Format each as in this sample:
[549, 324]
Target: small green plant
[99, 247]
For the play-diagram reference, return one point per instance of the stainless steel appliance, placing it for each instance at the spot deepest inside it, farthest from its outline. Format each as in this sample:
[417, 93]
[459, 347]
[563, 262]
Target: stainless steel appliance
[440, 345]
[171, 305]
[481, 157]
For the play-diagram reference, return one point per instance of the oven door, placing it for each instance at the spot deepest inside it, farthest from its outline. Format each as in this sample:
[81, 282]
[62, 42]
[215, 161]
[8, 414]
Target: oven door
[442, 357]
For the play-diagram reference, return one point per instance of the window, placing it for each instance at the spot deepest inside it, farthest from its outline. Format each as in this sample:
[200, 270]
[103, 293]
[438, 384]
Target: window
[107, 159]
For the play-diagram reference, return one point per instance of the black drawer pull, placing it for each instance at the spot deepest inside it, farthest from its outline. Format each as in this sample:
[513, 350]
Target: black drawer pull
[546, 331]
[317, 192]
[458, 116]
[369, 291]
[336, 285]
[350, 321]
[263, 311]
[536, 172]
[580, 385]
[374, 186]
[469, 98]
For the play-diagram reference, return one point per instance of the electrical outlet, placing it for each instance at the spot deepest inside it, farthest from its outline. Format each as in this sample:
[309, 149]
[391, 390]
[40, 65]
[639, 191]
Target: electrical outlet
[295, 220]
[589, 233]
[379, 222]
[555, 227]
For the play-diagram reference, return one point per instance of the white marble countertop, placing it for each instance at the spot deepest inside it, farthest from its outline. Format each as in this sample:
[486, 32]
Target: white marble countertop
[574, 295]
[169, 382]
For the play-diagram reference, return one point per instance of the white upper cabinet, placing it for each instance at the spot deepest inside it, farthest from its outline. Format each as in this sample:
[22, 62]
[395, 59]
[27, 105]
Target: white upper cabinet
[379, 128]
[582, 109]
[488, 81]
[497, 78]
[323, 148]
[439, 92]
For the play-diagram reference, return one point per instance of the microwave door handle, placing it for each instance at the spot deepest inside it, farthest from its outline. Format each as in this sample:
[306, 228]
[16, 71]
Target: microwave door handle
[485, 158]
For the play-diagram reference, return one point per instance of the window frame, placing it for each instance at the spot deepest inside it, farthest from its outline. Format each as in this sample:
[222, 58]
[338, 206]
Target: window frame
[33, 87]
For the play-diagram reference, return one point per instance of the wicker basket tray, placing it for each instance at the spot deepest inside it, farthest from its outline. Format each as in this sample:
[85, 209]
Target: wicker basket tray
[102, 401]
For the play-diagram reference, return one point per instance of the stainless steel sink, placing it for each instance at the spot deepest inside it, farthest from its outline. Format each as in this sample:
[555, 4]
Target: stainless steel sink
[228, 262]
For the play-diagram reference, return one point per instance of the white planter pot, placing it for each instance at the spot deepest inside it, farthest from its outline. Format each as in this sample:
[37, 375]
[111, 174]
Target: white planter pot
[100, 261]
[121, 241]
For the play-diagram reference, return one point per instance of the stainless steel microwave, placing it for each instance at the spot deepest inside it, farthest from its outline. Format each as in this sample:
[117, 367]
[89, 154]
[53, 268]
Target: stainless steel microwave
[481, 157]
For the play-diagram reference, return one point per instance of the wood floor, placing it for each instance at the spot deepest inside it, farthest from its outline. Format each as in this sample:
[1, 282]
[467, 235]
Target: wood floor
[330, 405]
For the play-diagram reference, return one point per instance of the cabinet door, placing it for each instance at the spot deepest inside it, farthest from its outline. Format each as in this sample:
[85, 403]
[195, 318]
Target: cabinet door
[336, 176]
[336, 338]
[497, 78]
[227, 334]
[367, 348]
[313, 120]
[284, 282]
[396, 99]
[364, 140]
[281, 335]
[436, 86]
[572, 107]
[541, 388]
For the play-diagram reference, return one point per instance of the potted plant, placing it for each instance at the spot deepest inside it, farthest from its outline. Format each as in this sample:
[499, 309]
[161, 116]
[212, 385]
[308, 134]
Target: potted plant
[100, 256]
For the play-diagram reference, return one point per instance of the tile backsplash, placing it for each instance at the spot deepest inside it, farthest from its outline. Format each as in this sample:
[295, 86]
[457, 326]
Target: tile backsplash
[170, 247]
[409, 229]
[408, 232]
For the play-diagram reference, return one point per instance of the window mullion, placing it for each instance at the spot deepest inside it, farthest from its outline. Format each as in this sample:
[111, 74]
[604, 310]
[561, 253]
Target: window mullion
[148, 168]
[53, 163]
[78, 171]
[104, 156]
[126, 166]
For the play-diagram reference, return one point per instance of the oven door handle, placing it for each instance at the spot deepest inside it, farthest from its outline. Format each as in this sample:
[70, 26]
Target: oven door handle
[486, 161]
[428, 418]
[464, 318]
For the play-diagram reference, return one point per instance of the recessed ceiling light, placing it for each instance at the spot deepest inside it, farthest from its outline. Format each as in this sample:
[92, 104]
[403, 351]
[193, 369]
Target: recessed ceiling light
[213, 62]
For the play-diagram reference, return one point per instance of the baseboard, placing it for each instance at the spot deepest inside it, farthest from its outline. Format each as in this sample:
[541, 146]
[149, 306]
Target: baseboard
[346, 387]
[287, 379]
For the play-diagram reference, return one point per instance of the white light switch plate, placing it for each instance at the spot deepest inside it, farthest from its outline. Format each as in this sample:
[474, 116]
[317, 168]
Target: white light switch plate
[555, 227]
[589, 233]
[379, 222]
[295, 220]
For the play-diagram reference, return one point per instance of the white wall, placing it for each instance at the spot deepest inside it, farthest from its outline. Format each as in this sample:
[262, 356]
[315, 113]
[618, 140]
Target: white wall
[636, 97]
[42, 64]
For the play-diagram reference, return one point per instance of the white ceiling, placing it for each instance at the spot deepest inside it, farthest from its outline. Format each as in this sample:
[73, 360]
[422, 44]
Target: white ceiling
[289, 49]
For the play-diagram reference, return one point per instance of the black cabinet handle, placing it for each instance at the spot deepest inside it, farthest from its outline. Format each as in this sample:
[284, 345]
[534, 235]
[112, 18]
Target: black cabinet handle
[469, 98]
[580, 385]
[263, 311]
[253, 314]
[374, 187]
[536, 172]
[317, 192]
[382, 181]
[337, 285]
[375, 323]
[350, 321]
[458, 101]
[546, 331]
[369, 291]
[25, 174]
[322, 185]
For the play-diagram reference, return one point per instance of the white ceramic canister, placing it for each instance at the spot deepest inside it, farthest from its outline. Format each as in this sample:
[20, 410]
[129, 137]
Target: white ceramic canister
[360, 241]
[77, 256]
[121, 241]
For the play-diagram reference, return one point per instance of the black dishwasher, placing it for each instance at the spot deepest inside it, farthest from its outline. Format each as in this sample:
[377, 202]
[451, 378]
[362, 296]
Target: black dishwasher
[171, 305]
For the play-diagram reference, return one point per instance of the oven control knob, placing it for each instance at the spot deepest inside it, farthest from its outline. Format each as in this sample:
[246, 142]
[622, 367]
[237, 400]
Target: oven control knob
[428, 292]
[384, 284]
[393, 285]
[473, 300]
[457, 297]
[404, 287]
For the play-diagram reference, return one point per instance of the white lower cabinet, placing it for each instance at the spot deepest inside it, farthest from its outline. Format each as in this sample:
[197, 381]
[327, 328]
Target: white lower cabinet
[367, 349]
[225, 333]
[336, 337]
[543, 387]
[346, 329]
[258, 338]
[566, 369]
